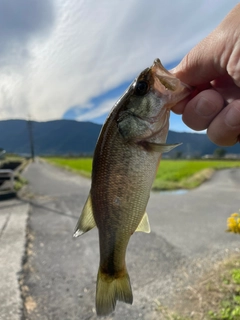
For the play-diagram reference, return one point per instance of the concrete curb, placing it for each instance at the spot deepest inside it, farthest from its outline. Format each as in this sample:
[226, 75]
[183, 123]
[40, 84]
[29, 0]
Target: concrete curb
[9, 194]
[13, 221]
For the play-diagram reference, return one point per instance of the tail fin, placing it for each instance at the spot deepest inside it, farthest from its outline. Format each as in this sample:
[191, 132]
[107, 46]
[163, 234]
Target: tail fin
[111, 289]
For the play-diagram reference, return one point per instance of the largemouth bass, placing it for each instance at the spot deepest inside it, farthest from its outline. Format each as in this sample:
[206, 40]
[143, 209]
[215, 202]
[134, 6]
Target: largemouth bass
[125, 161]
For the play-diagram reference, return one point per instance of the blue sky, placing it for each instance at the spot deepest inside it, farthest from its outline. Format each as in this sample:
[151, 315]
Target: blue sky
[89, 113]
[73, 59]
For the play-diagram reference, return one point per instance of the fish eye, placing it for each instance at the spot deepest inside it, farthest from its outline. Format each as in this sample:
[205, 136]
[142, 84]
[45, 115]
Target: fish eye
[141, 88]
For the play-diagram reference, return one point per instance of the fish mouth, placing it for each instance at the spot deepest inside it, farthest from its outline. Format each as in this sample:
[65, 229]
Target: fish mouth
[167, 86]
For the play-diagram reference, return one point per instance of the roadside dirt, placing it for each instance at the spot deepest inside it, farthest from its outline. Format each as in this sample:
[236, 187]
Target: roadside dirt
[204, 297]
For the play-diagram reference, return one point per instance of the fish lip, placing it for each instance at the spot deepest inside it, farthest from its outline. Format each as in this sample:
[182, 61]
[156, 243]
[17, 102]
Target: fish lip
[150, 120]
[172, 87]
[168, 85]
[159, 65]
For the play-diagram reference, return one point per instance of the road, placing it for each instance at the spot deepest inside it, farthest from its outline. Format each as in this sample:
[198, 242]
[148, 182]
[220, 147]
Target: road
[188, 236]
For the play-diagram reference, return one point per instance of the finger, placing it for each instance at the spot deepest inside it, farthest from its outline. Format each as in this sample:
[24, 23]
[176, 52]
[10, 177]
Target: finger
[224, 130]
[191, 70]
[202, 109]
[179, 108]
[226, 87]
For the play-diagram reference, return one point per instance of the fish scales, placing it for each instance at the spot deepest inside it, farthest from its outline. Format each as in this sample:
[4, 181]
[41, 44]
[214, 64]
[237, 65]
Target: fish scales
[125, 161]
[118, 191]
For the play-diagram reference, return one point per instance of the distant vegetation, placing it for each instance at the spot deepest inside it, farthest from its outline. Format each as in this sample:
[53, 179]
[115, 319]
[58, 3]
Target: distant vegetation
[75, 138]
[80, 165]
[172, 174]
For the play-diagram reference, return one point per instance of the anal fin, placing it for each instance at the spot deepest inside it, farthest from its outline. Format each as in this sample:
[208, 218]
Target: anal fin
[86, 221]
[144, 225]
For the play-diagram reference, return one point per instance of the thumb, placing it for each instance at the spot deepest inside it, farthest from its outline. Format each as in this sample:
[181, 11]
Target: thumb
[211, 57]
[198, 66]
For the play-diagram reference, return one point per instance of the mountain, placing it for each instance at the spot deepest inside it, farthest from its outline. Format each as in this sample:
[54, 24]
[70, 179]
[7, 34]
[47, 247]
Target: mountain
[50, 138]
[62, 137]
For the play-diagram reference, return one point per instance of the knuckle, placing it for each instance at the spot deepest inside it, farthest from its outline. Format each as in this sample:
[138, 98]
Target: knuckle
[233, 67]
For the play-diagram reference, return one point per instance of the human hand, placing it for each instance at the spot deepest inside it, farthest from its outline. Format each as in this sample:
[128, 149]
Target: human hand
[213, 68]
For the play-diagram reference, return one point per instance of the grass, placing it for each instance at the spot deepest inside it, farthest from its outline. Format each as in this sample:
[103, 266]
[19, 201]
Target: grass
[19, 182]
[229, 294]
[80, 165]
[216, 296]
[172, 174]
[187, 174]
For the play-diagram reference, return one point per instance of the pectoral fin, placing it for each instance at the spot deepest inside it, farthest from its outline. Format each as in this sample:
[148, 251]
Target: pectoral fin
[161, 147]
[144, 224]
[86, 221]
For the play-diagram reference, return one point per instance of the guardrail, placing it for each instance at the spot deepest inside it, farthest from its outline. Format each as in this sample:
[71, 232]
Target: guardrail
[6, 179]
[9, 174]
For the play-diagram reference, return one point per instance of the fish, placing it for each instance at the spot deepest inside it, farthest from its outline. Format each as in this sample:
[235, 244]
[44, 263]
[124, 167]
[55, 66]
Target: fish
[125, 161]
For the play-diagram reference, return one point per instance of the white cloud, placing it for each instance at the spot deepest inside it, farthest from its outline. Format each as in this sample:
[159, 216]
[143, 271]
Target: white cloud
[93, 46]
[101, 110]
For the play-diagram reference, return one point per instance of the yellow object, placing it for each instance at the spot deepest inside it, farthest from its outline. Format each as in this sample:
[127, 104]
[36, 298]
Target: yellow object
[233, 223]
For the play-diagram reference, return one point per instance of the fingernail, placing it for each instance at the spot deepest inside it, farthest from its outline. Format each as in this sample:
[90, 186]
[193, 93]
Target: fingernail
[232, 117]
[205, 108]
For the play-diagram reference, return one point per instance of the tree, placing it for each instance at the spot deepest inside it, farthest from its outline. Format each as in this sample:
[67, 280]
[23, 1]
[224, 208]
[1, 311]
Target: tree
[178, 154]
[219, 153]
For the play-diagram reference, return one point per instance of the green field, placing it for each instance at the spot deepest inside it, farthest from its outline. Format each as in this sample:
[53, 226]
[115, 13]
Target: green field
[175, 174]
[172, 174]
[80, 165]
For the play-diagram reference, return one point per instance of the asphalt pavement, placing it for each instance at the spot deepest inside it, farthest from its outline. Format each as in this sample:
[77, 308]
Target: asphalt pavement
[59, 275]
[13, 221]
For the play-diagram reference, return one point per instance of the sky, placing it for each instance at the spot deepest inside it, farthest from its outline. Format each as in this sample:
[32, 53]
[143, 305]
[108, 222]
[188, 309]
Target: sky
[73, 59]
